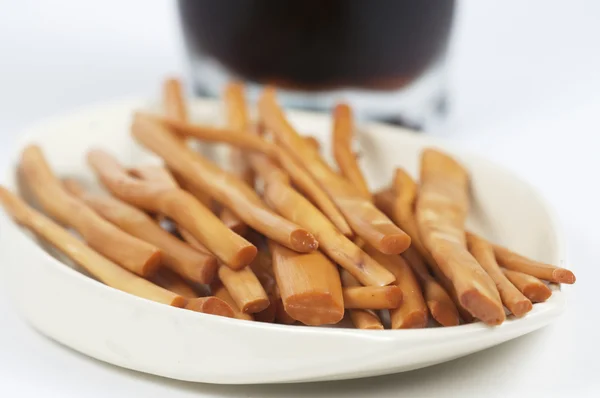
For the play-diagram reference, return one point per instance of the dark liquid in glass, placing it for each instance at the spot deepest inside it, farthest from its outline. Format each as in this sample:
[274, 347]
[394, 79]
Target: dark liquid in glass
[320, 44]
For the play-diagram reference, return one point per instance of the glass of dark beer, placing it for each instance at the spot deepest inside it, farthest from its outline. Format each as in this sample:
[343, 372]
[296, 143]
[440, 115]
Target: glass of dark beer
[384, 57]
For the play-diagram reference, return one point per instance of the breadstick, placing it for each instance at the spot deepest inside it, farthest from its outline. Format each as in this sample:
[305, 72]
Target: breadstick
[372, 297]
[516, 262]
[166, 198]
[210, 305]
[439, 302]
[343, 130]
[237, 119]
[412, 313]
[245, 289]
[289, 203]
[169, 280]
[224, 187]
[402, 200]
[83, 255]
[533, 288]
[130, 252]
[362, 319]
[441, 213]
[309, 285]
[511, 297]
[236, 138]
[363, 217]
[218, 290]
[176, 255]
[173, 100]
[236, 105]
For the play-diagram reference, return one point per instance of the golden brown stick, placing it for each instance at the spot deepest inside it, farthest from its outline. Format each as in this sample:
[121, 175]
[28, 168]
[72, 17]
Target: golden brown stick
[210, 305]
[176, 255]
[237, 119]
[362, 216]
[412, 313]
[236, 105]
[100, 267]
[372, 297]
[511, 297]
[224, 187]
[311, 189]
[343, 131]
[171, 281]
[218, 290]
[179, 205]
[289, 203]
[313, 142]
[130, 252]
[516, 262]
[441, 213]
[236, 138]
[533, 288]
[173, 100]
[401, 208]
[245, 289]
[439, 302]
[362, 319]
[309, 285]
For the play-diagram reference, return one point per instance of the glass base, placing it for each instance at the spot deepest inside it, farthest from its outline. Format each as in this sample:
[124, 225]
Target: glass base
[416, 106]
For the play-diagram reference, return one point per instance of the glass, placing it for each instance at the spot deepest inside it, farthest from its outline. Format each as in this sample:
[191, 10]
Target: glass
[385, 57]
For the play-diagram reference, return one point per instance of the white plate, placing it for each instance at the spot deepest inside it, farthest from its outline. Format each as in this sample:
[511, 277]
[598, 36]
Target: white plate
[134, 333]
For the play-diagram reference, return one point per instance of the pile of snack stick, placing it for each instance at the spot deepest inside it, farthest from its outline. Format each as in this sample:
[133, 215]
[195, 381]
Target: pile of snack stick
[282, 236]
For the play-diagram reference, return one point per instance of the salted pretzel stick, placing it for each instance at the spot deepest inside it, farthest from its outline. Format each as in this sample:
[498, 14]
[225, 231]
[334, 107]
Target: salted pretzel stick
[289, 203]
[245, 289]
[309, 285]
[399, 204]
[533, 288]
[224, 187]
[128, 251]
[83, 255]
[218, 290]
[372, 297]
[166, 198]
[439, 302]
[343, 131]
[210, 305]
[169, 280]
[412, 312]
[173, 100]
[363, 217]
[176, 255]
[362, 319]
[442, 209]
[233, 137]
[236, 104]
[511, 297]
[516, 262]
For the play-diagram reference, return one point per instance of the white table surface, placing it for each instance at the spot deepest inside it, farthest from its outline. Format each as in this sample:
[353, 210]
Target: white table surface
[526, 93]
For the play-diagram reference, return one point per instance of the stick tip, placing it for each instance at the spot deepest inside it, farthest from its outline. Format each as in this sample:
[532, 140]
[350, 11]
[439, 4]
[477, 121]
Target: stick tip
[303, 241]
[444, 313]
[416, 319]
[486, 309]
[244, 257]
[210, 305]
[395, 243]
[562, 275]
[520, 307]
[537, 293]
[152, 263]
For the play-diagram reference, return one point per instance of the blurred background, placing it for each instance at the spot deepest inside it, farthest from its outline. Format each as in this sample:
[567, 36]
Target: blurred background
[520, 84]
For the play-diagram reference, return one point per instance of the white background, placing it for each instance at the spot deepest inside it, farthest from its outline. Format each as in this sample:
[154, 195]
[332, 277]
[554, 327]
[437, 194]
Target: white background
[525, 88]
